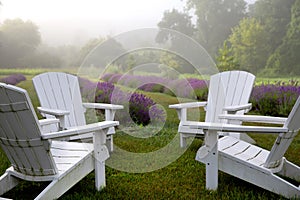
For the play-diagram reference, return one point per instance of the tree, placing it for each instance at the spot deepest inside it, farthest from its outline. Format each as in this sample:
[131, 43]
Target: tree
[215, 19]
[177, 21]
[274, 15]
[225, 60]
[99, 52]
[19, 40]
[249, 46]
[181, 22]
[286, 57]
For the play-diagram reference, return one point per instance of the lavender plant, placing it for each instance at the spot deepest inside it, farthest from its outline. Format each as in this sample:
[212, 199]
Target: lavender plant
[188, 88]
[141, 109]
[275, 99]
[13, 79]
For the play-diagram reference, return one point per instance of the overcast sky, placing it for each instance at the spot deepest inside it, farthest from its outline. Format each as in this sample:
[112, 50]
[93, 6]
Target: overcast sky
[88, 18]
[73, 21]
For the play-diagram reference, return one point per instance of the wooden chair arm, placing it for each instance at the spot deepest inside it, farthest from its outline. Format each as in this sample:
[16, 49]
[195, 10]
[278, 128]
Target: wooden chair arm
[254, 118]
[80, 130]
[45, 122]
[103, 106]
[207, 126]
[234, 109]
[188, 105]
[182, 108]
[54, 112]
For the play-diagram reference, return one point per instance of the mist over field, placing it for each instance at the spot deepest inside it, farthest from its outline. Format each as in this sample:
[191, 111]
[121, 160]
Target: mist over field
[75, 23]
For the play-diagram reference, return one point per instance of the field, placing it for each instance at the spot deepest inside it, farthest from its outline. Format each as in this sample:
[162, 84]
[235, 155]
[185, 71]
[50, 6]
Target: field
[184, 178]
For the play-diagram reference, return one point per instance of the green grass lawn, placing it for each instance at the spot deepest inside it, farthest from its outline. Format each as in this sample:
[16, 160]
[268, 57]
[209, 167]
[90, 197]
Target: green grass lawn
[184, 178]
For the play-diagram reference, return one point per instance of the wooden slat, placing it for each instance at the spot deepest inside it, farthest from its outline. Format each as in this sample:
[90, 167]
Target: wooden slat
[22, 125]
[64, 92]
[66, 154]
[247, 89]
[47, 99]
[243, 151]
[62, 84]
[237, 128]
[76, 100]
[213, 98]
[226, 142]
[249, 153]
[71, 145]
[284, 140]
[237, 148]
[260, 159]
[232, 93]
[239, 89]
[26, 128]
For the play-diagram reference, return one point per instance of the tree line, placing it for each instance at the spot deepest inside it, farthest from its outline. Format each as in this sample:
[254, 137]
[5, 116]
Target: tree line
[262, 38]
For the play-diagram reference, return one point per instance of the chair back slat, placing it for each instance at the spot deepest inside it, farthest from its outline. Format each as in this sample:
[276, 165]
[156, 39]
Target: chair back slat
[58, 90]
[230, 88]
[20, 136]
[284, 140]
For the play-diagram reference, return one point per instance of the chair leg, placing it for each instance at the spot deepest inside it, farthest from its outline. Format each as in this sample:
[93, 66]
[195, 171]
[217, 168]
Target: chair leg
[7, 182]
[290, 170]
[101, 154]
[182, 140]
[212, 166]
[110, 143]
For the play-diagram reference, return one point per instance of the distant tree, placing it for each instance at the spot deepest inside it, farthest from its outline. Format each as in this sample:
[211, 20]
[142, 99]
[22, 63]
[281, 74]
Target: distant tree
[249, 45]
[286, 57]
[100, 52]
[215, 19]
[175, 20]
[19, 40]
[225, 59]
[274, 15]
[181, 22]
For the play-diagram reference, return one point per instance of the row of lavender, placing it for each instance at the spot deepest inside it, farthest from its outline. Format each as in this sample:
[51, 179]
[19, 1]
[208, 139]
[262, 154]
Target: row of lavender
[191, 88]
[267, 99]
[275, 99]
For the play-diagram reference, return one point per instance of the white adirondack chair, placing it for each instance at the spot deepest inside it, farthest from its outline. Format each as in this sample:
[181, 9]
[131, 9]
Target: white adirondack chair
[248, 162]
[36, 157]
[229, 92]
[60, 97]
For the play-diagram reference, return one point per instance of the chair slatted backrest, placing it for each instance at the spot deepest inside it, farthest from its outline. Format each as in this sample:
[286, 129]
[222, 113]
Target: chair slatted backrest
[20, 134]
[284, 140]
[58, 90]
[231, 88]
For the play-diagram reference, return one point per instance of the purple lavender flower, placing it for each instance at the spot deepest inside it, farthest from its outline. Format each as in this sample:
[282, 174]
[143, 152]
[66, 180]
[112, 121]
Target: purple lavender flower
[13, 79]
[275, 99]
[141, 109]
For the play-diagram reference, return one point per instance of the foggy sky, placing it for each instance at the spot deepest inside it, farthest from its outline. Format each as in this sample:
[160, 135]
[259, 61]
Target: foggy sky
[74, 22]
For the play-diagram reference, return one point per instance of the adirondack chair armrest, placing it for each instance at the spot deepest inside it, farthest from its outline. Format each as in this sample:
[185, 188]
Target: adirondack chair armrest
[45, 122]
[59, 114]
[110, 109]
[80, 130]
[103, 106]
[182, 108]
[54, 112]
[234, 109]
[254, 118]
[188, 105]
[207, 126]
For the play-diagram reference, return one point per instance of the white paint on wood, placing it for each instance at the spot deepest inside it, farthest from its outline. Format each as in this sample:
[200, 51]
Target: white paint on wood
[34, 158]
[229, 92]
